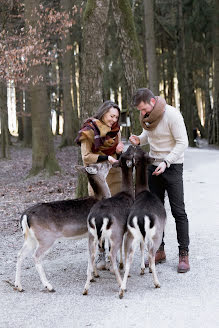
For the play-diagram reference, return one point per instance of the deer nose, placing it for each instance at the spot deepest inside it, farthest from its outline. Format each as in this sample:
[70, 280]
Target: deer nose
[129, 162]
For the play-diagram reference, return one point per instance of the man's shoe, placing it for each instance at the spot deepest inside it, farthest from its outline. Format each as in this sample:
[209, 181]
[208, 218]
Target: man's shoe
[101, 261]
[160, 257]
[183, 262]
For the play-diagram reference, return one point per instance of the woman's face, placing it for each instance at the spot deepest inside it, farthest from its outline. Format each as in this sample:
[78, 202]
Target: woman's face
[111, 117]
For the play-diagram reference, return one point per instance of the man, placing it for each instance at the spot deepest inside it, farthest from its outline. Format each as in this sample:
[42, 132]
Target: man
[164, 130]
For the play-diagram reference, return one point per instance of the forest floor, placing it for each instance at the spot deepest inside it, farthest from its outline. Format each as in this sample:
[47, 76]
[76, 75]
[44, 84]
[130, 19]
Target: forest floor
[184, 300]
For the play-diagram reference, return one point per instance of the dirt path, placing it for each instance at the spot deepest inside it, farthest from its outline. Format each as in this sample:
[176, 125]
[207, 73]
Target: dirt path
[188, 300]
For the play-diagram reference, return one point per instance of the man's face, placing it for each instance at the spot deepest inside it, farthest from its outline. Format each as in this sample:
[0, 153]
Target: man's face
[146, 108]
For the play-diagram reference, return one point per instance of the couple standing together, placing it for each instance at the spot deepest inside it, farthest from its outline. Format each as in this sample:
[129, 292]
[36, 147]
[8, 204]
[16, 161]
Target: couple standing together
[164, 130]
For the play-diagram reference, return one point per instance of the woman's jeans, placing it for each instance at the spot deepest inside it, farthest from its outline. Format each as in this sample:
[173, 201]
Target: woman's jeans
[172, 182]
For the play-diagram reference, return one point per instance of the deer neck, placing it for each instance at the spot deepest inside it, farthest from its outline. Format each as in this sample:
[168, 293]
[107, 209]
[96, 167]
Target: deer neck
[141, 183]
[127, 181]
[100, 187]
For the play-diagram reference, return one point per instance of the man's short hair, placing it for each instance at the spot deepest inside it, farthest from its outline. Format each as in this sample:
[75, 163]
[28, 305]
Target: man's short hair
[142, 94]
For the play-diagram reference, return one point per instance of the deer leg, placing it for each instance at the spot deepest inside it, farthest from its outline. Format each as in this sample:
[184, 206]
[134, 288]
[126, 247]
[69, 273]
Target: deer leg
[38, 256]
[130, 246]
[113, 252]
[91, 269]
[142, 257]
[121, 259]
[151, 258]
[25, 250]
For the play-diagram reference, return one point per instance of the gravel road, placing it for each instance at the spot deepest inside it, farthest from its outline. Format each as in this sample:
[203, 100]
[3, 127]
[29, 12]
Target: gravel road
[184, 300]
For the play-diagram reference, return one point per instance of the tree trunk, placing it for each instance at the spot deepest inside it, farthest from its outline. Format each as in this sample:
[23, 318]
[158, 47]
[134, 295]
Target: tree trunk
[69, 115]
[59, 91]
[216, 73]
[151, 46]
[75, 95]
[19, 113]
[94, 35]
[91, 86]
[130, 53]
[207, 100]
[163, 69]
[4, 121]
[27, 121]
[187, 97]
[124, 96]
[170, 78]
[43, 156]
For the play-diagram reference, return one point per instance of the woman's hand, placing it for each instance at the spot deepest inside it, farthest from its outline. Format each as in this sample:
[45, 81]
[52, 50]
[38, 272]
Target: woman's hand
[112, 160]
[120, 147]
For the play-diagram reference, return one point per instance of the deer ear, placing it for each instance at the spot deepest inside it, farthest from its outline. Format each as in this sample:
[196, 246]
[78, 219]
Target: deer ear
[80, 168]
[92, 169]
[116, 164]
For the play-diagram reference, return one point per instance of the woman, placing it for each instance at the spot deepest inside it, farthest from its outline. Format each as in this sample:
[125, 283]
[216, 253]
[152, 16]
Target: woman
[100, 140]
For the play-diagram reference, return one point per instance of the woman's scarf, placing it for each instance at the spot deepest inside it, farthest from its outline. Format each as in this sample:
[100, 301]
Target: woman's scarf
[103, 138]
[151, 121]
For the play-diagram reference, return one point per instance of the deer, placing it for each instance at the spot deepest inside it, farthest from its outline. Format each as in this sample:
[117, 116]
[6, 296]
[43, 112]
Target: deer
[146, 221]
[45, 223]
[108, 220]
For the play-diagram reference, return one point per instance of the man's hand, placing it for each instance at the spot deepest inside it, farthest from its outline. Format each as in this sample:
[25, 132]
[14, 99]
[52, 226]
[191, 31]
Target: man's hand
[120, 147]
[160, 169]
[134, 140]
[112, 160]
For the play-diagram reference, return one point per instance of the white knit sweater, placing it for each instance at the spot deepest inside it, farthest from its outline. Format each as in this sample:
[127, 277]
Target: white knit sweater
[169, 139]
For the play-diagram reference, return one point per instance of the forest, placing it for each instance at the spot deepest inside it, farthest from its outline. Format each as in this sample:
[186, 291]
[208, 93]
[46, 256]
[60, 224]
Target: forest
[59, 61]
[65, 57]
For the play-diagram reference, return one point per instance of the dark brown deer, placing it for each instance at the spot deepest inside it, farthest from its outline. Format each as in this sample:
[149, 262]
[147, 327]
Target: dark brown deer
[146, 221]
[108, 220]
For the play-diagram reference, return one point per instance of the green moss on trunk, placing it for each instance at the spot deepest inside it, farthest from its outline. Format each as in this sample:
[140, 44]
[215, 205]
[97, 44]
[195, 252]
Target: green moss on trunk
[91, 4]
[129, 27]
[82, 186]
[50, 165]
[82, 190]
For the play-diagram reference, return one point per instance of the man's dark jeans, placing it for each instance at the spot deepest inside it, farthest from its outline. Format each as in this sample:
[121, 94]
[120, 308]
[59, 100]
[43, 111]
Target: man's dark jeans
[172, 181]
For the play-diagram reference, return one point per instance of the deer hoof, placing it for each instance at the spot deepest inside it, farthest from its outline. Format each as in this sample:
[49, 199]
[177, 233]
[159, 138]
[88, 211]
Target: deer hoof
[50, 288]
[85, 292]
[121, 266]
[19, 289]
[121, 293]
[96, 276]
[46, 290]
